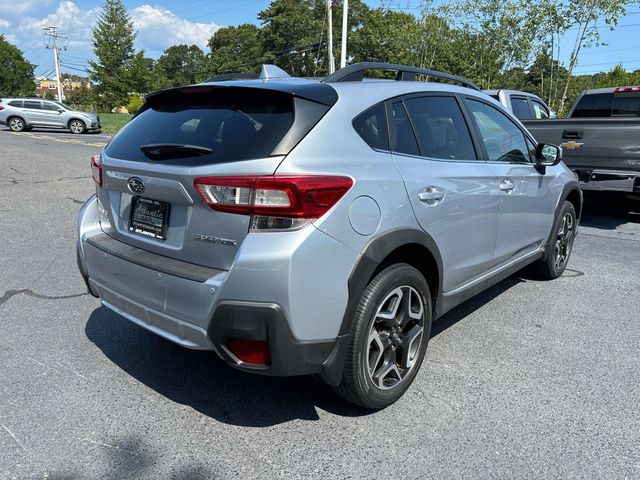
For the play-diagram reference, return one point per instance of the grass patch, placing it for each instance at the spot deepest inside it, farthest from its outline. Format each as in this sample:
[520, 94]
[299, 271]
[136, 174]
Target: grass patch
[112, 122]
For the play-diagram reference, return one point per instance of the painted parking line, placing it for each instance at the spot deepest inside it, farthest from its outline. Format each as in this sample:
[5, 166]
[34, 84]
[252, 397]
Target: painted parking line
[61, 140]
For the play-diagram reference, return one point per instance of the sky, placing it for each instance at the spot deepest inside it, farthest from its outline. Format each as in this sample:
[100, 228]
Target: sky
[163, 23]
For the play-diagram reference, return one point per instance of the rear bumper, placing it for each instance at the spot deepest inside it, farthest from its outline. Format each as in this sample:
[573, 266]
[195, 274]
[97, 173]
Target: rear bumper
[608, 180]
[203, 308]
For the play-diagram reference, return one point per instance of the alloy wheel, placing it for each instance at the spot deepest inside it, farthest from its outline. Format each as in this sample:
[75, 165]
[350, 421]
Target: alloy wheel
[16, 124]
[564, 241]
[395, 337]
[76, 127]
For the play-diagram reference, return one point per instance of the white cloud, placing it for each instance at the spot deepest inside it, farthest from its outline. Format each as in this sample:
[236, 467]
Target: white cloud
[21, 7]
[70, 20]
[4, 23]
[159, 28]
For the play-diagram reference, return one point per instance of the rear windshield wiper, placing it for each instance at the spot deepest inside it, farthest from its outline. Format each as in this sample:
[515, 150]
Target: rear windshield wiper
[158, 151]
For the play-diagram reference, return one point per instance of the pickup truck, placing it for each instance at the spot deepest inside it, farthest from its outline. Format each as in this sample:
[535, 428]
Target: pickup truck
[600, 139]
[524, 105]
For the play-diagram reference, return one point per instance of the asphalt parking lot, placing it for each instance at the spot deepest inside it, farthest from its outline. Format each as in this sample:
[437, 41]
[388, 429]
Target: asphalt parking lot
[531, 379]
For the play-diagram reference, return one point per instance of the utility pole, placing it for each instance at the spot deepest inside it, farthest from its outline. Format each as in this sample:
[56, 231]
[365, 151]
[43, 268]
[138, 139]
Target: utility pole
[53, 33]
[332, 64]
[343, 47]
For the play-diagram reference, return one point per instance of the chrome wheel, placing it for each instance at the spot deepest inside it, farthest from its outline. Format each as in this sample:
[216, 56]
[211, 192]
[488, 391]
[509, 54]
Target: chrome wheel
[395, 337]
[564, 241]
[16, 124]
[76, 126]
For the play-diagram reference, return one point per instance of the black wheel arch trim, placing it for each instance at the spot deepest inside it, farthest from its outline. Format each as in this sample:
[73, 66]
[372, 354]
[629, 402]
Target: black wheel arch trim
[373, 255]
[567, 190]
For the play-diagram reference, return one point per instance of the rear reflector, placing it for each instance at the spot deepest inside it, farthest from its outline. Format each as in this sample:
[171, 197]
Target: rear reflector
[277, 202]
[250, 351]
[96, 169]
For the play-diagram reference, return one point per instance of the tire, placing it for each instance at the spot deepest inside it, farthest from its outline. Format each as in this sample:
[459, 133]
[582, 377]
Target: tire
[383, 357]
[16, 124]
[77, 126]
[556, 260]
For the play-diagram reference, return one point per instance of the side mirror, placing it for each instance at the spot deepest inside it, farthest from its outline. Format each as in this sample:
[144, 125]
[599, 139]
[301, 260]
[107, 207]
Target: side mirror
[60, 110]
[547, 155]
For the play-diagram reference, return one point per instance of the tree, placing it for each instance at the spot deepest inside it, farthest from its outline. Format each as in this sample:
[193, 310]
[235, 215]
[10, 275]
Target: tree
[113, 39]
[180, 65]
[583, 15]
[17, 73]
[387, 36]
[236, 50]
[141, 73]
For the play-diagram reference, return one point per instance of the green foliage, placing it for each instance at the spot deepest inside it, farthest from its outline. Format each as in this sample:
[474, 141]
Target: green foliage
[80, 99]
[113, 39]
[16, 76]
[180, 65]
[134, 104]
[141, 74]
[236, 50]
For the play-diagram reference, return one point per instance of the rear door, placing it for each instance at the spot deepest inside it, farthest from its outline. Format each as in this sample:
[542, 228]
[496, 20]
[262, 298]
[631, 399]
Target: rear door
[148, 190]
[527, 202]
[32, 111]
[454, 195]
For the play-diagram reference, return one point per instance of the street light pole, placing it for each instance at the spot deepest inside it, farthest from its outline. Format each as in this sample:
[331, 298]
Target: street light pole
[343, 48]
[332, 64]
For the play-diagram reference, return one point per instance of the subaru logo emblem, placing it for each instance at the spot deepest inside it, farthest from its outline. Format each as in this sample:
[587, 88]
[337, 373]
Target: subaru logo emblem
[135, 185]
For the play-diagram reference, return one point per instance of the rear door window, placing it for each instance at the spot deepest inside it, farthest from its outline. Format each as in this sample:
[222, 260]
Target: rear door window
[403, 140]
[32, 105]
[441, 128]
[594, 105]
[223, 124]
[371, 125]
[521, 108]
[626, 105]
[503, 140]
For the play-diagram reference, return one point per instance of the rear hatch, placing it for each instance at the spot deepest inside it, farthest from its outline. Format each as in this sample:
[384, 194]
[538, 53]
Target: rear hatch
[149, 168]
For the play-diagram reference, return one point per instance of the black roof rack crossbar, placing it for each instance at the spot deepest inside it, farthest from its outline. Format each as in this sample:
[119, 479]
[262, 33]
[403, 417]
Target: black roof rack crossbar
[355, 73]
[232, 76]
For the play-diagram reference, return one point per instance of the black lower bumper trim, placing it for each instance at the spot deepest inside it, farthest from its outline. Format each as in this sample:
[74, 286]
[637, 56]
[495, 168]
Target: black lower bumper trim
[267, 322]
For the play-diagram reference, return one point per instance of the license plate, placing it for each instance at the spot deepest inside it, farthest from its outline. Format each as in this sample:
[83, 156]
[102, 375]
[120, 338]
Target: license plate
[149, 217]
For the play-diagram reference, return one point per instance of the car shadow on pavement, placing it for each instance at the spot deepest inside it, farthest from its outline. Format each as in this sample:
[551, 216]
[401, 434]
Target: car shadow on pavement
[609, 210]
[207, 384]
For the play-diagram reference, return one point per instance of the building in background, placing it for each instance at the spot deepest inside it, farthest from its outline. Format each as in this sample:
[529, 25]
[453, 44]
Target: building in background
[46, 86]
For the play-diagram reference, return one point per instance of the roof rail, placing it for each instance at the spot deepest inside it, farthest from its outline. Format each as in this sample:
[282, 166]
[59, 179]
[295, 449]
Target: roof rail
[355, 73]
[232, 76]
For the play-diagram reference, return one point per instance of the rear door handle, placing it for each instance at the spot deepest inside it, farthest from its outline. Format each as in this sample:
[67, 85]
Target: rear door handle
[431, 195]
[506, 185]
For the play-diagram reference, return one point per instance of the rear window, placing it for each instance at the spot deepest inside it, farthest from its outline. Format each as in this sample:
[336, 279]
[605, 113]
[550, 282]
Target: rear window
[626, 105]
[594, 105]
[16, 103]
[521, 108]
[234, 123]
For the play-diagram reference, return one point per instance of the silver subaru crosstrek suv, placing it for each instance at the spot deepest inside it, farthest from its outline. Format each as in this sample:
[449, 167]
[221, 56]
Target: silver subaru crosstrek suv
[26, 113]
[301, 227]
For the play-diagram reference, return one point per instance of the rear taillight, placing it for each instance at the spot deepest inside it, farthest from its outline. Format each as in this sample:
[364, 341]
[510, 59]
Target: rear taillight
[96, 169]
[1, 107]
[279, 202]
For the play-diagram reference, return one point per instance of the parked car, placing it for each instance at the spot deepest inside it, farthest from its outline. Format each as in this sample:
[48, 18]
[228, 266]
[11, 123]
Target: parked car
[523, 105]
[601, 139]
[318, 227]
[26, 113]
